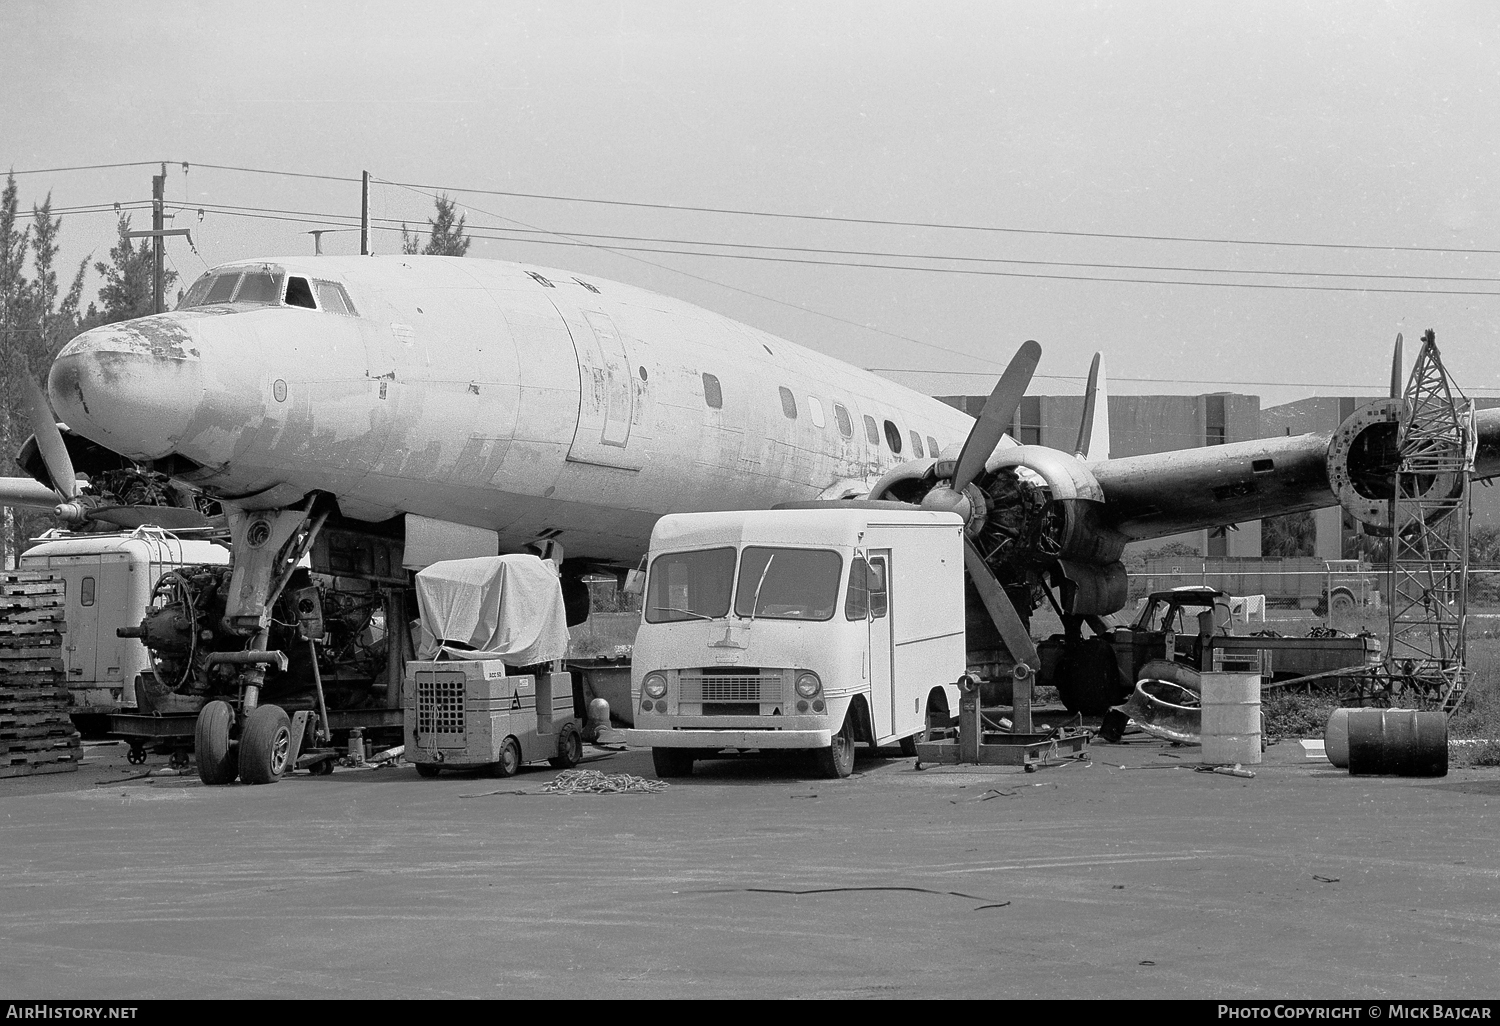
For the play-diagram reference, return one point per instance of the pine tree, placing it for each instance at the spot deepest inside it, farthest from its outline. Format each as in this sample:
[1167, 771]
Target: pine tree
[127, 290]
[445, 236]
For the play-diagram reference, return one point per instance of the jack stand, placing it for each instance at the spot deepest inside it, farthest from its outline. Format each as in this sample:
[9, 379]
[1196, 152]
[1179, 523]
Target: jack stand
[977, 746]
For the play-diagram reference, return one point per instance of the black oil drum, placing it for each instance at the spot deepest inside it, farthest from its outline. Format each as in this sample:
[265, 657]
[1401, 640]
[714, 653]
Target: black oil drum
[1398, 743]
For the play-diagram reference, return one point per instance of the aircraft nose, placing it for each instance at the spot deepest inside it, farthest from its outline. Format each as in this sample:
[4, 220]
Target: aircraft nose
[133, 387]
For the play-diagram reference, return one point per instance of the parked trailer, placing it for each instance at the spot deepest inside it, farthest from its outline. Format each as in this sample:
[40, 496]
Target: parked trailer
[108, 580]
[802, 629]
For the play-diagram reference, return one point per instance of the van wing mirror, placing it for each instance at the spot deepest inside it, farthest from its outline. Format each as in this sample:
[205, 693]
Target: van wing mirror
[635, 582]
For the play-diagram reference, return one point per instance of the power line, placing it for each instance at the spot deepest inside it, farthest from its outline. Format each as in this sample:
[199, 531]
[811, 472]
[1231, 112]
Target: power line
[826, 218]
[89, 167]
[933, 224]
[473, 228]
[579, 241]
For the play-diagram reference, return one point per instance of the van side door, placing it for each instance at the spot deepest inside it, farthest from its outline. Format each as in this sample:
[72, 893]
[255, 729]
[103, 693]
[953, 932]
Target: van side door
[882, 692]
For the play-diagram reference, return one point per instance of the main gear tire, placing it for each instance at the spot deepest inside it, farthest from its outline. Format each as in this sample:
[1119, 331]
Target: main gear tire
[214, 745]
[265, 745]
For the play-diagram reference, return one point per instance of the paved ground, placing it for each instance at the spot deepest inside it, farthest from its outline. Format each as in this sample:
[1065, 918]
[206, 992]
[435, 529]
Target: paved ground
[1115, 879]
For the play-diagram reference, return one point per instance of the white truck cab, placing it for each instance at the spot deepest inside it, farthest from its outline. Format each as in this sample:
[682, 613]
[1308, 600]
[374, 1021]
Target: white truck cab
[797, 628]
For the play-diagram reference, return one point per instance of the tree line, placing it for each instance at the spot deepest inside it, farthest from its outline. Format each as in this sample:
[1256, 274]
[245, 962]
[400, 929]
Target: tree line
[38, 316]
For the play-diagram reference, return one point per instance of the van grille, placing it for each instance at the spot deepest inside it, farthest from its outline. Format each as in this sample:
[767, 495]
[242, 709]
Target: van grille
[440, 702]
[707, 686]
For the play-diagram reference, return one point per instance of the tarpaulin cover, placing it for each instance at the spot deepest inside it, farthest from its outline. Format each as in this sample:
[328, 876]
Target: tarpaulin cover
[502, 607]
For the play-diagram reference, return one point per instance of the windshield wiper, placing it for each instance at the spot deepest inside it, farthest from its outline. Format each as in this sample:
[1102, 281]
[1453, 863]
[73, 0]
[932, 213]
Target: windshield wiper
[755, 602]
[688, 612]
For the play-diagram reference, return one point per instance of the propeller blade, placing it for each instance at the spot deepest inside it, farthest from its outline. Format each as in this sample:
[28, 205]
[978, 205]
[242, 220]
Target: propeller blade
[49, 441]
[1093, 430]
[171, 518]
[1397, 385]
[23, 491]
[999, 410]
[1007, 621]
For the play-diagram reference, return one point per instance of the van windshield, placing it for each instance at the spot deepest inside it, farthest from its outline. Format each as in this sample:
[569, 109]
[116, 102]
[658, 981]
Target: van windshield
[689, 585]
[788, 584]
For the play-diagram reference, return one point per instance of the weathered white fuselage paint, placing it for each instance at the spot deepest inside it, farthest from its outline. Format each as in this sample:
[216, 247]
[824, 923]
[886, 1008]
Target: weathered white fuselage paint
[472, 392]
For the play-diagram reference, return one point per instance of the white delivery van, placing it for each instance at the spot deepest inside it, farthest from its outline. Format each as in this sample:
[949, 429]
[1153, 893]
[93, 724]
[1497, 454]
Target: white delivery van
[797, 628]
[108, 580]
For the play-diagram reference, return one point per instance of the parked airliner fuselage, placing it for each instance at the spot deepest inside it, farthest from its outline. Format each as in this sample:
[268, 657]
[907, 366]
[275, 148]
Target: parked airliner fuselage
[523, 400]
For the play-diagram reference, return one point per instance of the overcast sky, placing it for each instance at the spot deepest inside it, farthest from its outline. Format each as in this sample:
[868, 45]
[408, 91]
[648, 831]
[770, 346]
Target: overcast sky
[1296, 132]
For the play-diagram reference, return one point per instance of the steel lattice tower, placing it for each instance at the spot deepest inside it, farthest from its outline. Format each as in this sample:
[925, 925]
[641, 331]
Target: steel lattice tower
[1428, 580]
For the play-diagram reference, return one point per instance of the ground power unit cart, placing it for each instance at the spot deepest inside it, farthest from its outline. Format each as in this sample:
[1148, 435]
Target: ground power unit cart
[482, 693]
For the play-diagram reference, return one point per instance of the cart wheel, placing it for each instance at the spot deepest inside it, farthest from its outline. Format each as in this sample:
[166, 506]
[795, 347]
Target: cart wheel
[217, 760]
[427, 769]
[136, 755]
[672, 762]
[569, 748]
[837, 760]
[178, 759]
[510, 758]
[265, 744]
[321, 768]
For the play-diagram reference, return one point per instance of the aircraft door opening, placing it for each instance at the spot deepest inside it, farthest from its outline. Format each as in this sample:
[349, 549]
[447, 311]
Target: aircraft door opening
[606, 403]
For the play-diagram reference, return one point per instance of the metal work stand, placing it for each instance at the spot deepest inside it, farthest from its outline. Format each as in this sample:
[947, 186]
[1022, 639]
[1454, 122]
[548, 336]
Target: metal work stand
[974, 745]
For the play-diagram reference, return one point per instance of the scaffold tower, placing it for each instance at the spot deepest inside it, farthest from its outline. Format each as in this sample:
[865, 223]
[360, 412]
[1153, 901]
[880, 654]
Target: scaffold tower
[1429, 530]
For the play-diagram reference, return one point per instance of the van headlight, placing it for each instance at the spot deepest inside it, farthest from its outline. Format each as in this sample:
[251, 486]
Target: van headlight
[654, 686]
[808, 684]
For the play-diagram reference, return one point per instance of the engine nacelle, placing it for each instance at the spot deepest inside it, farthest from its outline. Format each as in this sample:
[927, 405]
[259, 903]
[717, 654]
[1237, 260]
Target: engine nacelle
[1362, 463]
[1075, 503]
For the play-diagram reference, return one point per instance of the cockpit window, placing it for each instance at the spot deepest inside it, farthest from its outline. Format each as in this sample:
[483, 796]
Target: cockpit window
[299, 293]
[222, 289]
[261, 287]
[333, 298]
[195, 294]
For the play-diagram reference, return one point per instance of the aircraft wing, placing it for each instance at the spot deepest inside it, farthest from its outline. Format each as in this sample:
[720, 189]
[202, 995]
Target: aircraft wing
[1160, 494]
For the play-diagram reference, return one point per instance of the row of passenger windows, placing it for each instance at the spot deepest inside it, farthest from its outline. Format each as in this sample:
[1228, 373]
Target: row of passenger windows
[264, 287]
[713, 395]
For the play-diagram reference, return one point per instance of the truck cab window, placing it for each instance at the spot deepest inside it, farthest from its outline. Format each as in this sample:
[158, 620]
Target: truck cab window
[788, 584]
[866, 597]
[299, 293]
[689, 585]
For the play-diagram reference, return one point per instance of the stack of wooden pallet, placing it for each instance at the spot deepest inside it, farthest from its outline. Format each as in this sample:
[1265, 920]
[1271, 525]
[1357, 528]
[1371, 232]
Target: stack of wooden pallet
[36, 734]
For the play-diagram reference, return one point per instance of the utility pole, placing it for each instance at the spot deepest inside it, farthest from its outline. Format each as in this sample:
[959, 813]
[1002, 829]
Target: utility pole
[158, 194]
[364, 214]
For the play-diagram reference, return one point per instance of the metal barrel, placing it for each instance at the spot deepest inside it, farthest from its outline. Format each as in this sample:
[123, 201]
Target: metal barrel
[1231, 719]
[1336, 738]
[1398, 743]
